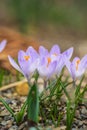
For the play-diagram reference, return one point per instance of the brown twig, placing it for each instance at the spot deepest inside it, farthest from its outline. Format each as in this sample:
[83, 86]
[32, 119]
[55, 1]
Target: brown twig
[3, 88]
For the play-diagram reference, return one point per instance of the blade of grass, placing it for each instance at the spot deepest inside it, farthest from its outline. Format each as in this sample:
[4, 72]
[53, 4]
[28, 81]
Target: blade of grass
[7, 107]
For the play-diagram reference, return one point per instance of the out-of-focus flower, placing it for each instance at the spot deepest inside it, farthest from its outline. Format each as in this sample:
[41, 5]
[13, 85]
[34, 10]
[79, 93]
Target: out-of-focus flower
[77, 67]
[56, 55]
[27, 62]
[2, 45]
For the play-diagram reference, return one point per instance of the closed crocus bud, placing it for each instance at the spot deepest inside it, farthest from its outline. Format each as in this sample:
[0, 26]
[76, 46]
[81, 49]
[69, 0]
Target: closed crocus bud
[2, 45]
[77, 67]
[27, 62]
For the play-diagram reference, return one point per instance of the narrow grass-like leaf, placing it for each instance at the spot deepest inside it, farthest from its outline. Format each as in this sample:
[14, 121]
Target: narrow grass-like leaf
[78, 87]
[1, 76]
[33, 104]
[65, 91]
[20, 114]
[8, 108]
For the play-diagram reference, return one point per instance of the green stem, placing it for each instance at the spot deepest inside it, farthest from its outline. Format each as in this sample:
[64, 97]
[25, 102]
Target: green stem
[65, 91]
[70, 114]
[20, 114]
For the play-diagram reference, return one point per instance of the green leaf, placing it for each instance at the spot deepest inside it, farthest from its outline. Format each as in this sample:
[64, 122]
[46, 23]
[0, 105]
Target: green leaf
[65, 91]
[78, 87]
[33, 104]
[8, 107]
[20, 114]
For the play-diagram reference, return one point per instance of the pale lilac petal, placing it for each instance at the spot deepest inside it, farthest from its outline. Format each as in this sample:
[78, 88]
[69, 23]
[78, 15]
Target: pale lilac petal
[68, 53]
[73, 70]
[21, 55]
[24, 65]
[43, 61]
[67, 63]
[51, 69]
[43, 51]
[83, 63]
[75, 60]
[80, 73]
[2, 45]
[60, 65]
[42, 71]
[71, 67]
[14, 64]
[32, 52]
[42, 66]
[55, 50]
[47, 72]
[33, 66]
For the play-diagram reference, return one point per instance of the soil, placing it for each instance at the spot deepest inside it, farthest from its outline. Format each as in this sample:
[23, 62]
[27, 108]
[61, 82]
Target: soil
[15, 101]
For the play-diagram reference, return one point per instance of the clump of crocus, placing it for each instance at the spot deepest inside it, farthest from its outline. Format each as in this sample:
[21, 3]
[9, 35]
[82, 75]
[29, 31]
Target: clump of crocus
[47, 64]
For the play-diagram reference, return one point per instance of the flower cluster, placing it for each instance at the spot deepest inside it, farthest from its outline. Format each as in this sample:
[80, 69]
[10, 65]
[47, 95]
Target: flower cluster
[48, 63]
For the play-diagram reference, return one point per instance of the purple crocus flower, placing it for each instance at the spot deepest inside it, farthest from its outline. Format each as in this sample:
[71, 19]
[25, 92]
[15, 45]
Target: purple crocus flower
[46, 67]
[27, 62]
[55, 51]
[56, 55]
[77, 67]
[2, 45]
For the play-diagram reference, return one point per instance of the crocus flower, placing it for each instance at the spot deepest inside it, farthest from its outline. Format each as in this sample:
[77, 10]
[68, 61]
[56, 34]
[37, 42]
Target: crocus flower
[2, 45]
[27, 62]
[46, 67]
[56, 55]
[55, 51]
[77, 67]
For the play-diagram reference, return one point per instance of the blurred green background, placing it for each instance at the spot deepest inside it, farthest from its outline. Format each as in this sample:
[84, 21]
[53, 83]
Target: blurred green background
[48, 21]
[25, 14]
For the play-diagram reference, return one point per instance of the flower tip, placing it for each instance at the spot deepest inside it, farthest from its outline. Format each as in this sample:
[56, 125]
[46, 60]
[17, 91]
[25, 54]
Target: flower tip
[2, 45]
[56, 45]
[72, 49]
[9, 56]
[42, 47]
